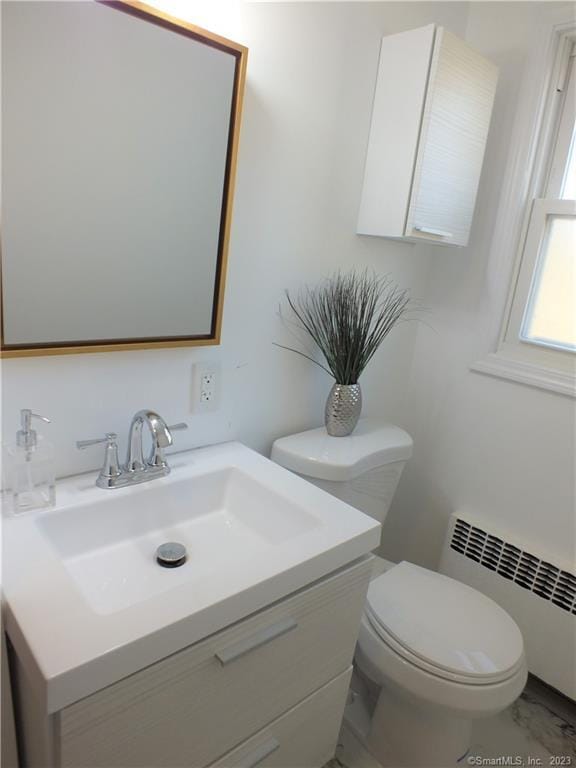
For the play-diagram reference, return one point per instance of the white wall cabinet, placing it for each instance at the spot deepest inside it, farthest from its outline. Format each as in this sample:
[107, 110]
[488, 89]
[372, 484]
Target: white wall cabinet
[430, 118]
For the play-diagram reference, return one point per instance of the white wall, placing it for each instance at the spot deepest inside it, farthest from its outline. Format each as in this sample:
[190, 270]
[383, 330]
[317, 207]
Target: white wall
[498, 449]
[311, 74]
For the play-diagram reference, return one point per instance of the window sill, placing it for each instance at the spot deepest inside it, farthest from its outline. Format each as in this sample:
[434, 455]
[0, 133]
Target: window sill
[526, 373]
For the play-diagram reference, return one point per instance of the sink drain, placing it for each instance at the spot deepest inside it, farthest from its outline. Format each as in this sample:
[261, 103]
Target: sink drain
[171, 554]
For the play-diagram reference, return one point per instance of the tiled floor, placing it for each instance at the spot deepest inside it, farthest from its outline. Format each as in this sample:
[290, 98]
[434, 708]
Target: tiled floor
[540, 724]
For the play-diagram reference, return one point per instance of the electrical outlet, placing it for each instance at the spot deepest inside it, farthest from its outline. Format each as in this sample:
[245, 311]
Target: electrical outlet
[205, 387]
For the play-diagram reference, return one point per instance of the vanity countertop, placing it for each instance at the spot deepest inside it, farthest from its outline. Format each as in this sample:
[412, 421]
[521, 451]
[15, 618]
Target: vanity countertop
[86, 603]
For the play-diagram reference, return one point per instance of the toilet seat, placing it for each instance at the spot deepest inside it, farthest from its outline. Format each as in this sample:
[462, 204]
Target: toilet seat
[387, 668]
[443, 626]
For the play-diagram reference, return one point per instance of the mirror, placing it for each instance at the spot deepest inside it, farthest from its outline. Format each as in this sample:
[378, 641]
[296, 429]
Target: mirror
[120, 132]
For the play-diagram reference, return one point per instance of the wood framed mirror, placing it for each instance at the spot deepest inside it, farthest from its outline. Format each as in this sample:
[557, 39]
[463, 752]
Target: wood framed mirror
[119, 144]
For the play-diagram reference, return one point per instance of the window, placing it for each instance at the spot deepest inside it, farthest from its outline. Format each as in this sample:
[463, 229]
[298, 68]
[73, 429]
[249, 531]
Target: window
[549, 314]
[541, 324]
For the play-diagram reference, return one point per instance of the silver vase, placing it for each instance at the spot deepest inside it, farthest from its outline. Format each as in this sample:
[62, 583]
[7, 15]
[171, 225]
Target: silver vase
[342, 410]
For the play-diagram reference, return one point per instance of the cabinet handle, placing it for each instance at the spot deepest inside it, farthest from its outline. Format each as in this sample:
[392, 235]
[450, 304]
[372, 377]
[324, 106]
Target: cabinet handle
[430, 231]
[259, 638]
[261, 753]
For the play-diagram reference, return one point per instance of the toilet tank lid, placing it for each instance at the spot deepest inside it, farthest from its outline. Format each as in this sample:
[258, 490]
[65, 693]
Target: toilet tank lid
[315, 454]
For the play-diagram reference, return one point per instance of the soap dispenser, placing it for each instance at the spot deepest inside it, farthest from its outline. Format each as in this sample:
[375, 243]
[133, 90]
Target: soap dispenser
[30, 467]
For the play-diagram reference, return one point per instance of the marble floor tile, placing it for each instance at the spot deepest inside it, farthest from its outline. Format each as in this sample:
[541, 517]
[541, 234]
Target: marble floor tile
[540, 725]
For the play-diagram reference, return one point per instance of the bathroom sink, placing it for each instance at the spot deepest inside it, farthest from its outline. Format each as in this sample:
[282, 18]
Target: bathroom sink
[224, 519]
[87, 603]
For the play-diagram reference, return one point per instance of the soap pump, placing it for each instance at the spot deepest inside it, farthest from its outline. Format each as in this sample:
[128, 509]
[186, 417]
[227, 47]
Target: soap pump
[31, 467]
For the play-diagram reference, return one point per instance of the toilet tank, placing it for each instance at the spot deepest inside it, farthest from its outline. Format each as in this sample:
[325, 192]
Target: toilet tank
[362, 469]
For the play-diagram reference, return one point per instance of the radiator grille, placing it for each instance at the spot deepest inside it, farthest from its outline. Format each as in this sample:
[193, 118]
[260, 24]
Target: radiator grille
[528, 571]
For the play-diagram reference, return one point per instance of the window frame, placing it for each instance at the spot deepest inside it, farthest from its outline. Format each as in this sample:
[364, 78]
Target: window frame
[554, 151]
[561, 151]
[515, 358]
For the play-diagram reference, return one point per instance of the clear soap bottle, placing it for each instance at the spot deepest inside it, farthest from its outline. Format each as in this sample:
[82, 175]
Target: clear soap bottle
[30, 470]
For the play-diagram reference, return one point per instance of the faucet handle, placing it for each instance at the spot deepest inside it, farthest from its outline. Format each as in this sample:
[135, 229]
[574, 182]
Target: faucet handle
[111, 468]
[177, 427]
[110, 437]
[156, 458]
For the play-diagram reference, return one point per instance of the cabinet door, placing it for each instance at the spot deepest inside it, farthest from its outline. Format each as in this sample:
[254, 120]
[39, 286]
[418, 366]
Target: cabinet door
[392, 144]
[452, 141]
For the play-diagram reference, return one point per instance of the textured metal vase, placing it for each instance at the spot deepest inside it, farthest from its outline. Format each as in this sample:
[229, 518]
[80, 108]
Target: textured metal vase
[342, 410]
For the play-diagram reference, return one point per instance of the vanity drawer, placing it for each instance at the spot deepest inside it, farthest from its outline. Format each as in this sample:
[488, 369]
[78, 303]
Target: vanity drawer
[198, 704]
[305, 737]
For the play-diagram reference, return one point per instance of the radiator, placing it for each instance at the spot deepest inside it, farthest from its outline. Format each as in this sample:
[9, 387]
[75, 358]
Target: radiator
[540, 595]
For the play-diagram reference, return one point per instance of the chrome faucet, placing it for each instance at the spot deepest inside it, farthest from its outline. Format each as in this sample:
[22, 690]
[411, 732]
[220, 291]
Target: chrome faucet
[161, 438]
[137, 469]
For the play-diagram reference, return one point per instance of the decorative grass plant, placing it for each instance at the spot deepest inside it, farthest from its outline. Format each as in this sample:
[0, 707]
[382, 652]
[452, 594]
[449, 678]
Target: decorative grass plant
[348, 316]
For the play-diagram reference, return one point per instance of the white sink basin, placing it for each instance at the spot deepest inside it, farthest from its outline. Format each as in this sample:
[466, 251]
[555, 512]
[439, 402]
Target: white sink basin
[224, 518]
[87, 603]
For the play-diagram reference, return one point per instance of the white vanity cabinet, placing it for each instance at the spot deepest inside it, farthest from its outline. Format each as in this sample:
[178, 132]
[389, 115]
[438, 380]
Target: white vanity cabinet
[268, 691]
[430, 119]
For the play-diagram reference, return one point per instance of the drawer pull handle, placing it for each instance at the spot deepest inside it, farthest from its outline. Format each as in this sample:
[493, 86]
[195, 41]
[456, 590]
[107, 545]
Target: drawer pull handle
[430, 231]
[261, 753]
[259, 638]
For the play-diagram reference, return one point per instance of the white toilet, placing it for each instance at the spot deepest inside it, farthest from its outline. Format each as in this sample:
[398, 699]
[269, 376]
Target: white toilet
[441, 653]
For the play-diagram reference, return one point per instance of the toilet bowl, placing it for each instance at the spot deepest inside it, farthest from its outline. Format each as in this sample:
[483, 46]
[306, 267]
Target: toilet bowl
[444, 655]
[441, 653]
